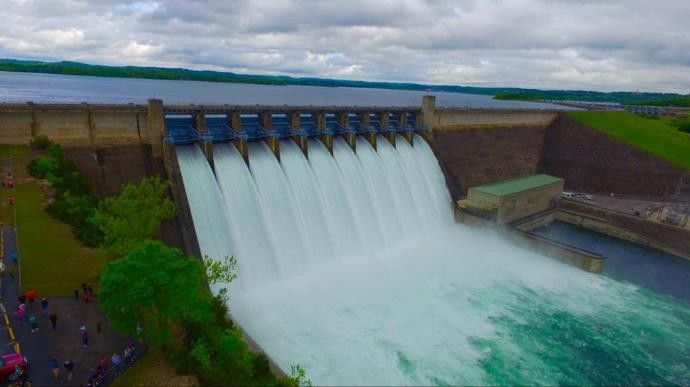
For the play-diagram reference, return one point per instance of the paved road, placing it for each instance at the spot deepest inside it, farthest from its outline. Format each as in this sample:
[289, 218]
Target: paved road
[64, 342]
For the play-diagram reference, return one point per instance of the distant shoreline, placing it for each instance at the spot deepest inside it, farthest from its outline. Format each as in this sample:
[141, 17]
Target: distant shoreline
[82, 69]
[181, 74]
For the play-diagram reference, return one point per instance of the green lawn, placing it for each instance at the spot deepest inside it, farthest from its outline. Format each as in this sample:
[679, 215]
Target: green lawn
[52, 260]
[654, 136]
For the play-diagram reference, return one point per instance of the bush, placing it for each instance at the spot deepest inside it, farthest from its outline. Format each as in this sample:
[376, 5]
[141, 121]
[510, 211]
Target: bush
[43, 166]
[78, 211]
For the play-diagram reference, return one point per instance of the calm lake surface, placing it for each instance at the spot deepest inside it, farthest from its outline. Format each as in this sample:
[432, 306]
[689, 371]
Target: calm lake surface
[52, 88]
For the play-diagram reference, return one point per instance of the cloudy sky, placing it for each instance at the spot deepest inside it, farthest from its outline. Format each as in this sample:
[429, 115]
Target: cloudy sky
[592, 44]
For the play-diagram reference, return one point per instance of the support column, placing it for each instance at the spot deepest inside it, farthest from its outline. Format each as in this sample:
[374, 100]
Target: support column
[320, 120]
[92, 127]
[302, 141]
[236, 124]
[351, 138]
[206, 145]
[385, 121]
[427, 118]
[364, 121]
[35, 127]
[273, 142]
[326, 139]
[155, 119]
[409, 136]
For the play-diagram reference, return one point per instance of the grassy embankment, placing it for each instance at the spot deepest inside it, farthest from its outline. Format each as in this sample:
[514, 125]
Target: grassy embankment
[52, 260]
[654, 136]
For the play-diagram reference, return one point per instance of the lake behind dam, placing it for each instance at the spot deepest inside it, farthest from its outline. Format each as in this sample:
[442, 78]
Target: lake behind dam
[55, 88]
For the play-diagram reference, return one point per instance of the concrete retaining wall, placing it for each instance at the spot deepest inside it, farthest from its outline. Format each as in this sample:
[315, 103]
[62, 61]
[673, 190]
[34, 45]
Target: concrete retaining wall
[73, 124]
[15, 127]
[671, 239]
[468, 118]
[481, 155]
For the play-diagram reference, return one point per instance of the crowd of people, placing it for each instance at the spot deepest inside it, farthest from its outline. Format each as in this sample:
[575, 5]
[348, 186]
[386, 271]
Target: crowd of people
[25, 314]
[113, 367]
[28, 314]
[105, 368]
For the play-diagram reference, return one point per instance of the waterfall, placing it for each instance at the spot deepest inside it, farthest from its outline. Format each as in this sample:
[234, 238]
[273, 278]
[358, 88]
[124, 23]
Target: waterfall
[320, 230]
[339, 208]
[281, 219]
[358, 194]
[350, 264]
[205, 203]
[248, 230]
[280, 212]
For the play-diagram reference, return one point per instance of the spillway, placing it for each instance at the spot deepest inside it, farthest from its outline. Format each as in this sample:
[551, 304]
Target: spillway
[350, 265]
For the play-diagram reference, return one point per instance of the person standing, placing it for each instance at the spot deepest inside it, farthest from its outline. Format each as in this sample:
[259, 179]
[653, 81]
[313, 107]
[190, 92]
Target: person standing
[117, 360]
[33, 321]
[31, 296]
[53, 320]
[54, 368]
[84, 336]
[128, 354]
[76, 294]
[44, 305]
[103, 362]
[21, 314]
[69, 367]
[86, 297]
[92, 377]
[89, 289]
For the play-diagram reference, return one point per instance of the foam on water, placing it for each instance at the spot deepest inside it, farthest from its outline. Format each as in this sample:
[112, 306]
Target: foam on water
[434, 302]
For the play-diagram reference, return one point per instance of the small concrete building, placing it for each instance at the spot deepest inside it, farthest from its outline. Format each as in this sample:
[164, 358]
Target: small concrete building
[512, 199]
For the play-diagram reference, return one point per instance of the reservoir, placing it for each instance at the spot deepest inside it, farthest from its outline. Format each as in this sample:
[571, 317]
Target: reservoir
[53, 88]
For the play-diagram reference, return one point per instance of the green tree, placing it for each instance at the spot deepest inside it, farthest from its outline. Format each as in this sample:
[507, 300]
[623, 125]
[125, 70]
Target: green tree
[221, 272]
[134, 215]
[155, 287]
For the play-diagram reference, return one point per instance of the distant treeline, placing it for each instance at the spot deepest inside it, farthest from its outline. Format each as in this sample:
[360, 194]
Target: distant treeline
[75, 68]
[622, 97]
[506, 93]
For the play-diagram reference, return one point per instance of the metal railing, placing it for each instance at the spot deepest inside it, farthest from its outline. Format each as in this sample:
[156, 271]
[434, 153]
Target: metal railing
[109, 376]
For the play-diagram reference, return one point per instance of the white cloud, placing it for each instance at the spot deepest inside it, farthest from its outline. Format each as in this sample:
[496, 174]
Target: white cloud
[605, 45]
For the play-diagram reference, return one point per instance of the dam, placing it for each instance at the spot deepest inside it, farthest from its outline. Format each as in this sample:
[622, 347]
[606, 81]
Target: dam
[350, 262]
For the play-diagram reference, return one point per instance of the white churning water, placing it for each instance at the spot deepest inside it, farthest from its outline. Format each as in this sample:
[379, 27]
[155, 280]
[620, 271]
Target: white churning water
[351, 265]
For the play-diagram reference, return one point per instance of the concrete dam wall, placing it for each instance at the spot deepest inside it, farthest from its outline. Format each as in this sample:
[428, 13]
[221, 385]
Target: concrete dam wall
[117, 144]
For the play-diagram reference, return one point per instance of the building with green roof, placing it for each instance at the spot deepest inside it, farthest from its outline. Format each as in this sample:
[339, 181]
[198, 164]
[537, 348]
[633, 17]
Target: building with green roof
[512, 199]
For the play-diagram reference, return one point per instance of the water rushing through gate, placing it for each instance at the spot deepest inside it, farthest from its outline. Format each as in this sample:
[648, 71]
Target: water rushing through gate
[350, 264]
[291, 215]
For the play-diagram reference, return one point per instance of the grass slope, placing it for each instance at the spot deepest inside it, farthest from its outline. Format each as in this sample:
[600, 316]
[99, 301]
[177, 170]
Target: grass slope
[52, 260]
[654, 136]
